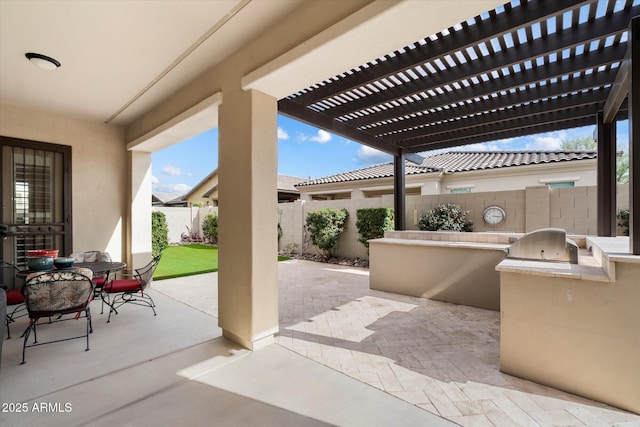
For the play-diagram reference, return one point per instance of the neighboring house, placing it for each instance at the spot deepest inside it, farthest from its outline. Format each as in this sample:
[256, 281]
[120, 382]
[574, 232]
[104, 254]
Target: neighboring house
[162, 199]
[205, 193]
[461, 172]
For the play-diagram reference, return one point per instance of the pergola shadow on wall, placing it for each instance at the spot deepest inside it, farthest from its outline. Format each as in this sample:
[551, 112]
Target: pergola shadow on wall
[524, 68]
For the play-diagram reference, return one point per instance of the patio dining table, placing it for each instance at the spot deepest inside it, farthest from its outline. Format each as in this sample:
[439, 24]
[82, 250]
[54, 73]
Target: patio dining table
[101, 267]
[98, 268]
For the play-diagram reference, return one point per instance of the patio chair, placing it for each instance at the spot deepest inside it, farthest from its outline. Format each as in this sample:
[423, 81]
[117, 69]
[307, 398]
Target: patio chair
[118, 292]
[94, 256]
[57, 293]
[15, 300]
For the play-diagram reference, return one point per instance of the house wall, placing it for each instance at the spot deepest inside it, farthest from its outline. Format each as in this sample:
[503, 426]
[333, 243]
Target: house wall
[99, 173]
[581, 172]
[196, 195]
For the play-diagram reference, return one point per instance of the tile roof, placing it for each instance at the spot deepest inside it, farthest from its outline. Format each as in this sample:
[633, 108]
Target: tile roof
[287, 183]
[458, 161]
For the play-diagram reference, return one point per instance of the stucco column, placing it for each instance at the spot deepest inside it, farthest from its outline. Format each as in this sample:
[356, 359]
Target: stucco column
[248, 218]
[140, 216]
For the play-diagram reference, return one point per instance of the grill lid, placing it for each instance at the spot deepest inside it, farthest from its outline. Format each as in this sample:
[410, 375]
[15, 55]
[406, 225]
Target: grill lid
[546, 244]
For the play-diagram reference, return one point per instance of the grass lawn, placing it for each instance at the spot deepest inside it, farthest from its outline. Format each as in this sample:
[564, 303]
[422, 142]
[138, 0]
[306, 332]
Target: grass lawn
[186, 260]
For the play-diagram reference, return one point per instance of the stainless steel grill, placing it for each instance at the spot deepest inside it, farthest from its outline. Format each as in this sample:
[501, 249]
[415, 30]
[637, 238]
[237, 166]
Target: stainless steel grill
[547, 244]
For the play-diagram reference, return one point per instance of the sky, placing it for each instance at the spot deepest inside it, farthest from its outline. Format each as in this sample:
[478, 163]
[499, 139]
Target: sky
[308, 153]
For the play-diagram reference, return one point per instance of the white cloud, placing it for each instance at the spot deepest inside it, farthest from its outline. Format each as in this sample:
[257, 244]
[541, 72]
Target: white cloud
[371, 156]
[322, 137]
[177, 189]
[482, 146]
[154, 180]
[181, 188]
[174, 171]
[551, 141]
[282, 134]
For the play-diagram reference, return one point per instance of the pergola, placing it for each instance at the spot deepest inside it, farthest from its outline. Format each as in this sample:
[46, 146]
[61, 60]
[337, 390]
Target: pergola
[524, 68]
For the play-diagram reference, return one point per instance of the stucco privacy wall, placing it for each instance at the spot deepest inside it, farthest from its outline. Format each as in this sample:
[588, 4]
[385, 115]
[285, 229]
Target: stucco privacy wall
[99, 172]
[573, 209]
[182, 219]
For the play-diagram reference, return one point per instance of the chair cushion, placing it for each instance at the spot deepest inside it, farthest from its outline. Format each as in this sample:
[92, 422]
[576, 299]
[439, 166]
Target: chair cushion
[99, 281]
[123, 285]
[14, 297]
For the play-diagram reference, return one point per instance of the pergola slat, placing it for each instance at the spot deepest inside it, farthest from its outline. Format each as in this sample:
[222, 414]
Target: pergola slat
[305, 115]
[503, 134]
[557, 69]
[511, 98]
[582, 35]
[494, 128]
[482, 31]
[594, 100]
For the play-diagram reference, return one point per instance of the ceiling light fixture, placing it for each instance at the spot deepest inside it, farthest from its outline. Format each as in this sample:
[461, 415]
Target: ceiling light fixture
[42, 61]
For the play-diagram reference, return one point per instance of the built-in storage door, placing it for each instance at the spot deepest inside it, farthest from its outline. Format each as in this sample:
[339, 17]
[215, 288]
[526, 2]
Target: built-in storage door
[36, 198]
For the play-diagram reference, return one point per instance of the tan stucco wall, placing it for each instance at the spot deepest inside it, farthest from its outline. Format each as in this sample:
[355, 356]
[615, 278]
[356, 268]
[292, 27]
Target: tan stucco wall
[519, 177]
[576, 335]
[443, 271]
[582, 172]
[99, 172]
[571, 208]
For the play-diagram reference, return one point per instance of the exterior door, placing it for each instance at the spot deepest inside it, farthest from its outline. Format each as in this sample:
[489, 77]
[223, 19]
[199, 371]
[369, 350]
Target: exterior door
[36, 198]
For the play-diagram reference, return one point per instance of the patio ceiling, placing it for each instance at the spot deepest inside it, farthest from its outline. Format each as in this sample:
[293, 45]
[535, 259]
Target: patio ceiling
[120, 59]
[524, 68]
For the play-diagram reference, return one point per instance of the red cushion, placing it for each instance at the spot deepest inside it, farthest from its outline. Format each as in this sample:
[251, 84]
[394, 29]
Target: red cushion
[99, 281]
[14, 297]
[124, 285]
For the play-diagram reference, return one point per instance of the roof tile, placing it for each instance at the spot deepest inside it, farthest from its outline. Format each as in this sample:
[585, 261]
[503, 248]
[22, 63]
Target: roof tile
[458, 161]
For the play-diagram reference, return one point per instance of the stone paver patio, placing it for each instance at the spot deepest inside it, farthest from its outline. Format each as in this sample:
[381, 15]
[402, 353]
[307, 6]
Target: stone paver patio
[441, 357]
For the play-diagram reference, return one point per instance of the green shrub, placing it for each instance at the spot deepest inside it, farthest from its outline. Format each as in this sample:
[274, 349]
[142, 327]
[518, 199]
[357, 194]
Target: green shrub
[447, 216]
[324, 227]
[372, 223]
[159, 232]
[210, 227]
[623, 217]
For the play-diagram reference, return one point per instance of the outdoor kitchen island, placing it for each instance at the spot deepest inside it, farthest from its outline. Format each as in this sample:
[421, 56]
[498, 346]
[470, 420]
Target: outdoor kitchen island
[454, 267]
[575, 327]
[447, 266]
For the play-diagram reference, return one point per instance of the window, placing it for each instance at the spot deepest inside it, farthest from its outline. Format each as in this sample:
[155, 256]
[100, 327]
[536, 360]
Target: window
[460, 190]
[561, 184]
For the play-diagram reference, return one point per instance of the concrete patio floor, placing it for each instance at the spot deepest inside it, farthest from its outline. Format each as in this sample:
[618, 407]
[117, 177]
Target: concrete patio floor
[345, 355]
[175, 369]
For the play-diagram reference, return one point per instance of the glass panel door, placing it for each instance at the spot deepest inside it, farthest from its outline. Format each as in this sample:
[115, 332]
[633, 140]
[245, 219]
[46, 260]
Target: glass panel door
[35, 211]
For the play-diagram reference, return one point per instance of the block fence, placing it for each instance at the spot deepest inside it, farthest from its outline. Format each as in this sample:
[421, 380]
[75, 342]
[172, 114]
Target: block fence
[571, 208]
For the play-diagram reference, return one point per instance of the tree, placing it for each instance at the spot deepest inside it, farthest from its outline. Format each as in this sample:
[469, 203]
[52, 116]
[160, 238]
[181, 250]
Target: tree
[580, 143]
[372, 223]
[210, 227]
[325, 227]
[159, 232]
[588, 143]
[622, 167]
